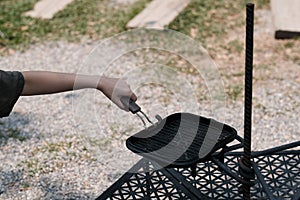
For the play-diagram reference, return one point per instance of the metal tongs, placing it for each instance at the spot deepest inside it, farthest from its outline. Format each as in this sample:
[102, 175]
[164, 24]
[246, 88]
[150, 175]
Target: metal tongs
[136, 109]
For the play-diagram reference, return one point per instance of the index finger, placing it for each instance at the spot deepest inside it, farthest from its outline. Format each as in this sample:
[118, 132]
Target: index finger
[133, 97]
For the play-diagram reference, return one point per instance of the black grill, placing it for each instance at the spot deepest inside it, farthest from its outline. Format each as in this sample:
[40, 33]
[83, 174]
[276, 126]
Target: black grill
[177, 141]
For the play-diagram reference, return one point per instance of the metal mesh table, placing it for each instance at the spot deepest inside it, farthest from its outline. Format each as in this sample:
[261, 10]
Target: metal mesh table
[278, 177]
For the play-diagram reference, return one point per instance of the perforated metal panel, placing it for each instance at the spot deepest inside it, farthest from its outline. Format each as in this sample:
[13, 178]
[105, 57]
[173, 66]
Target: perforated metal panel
[279, 173]
[147, 185]
[217, 184]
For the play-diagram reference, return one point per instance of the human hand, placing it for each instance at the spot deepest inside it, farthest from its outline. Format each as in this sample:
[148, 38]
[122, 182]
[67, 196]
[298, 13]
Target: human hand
[114, 89]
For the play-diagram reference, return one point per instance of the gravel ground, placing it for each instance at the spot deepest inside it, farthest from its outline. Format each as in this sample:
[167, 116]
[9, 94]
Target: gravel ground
[71, 145]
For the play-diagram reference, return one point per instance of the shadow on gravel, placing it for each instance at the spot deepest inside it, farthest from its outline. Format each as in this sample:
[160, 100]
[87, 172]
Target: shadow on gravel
[61, 190]
[11, 181]
[14, 127]
[13, 184]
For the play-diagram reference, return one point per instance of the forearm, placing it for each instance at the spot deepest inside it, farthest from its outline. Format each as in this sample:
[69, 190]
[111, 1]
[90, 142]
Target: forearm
[41, 82]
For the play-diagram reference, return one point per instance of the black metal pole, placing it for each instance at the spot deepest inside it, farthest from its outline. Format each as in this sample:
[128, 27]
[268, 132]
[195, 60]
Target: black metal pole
[248, 81]
[248, 97]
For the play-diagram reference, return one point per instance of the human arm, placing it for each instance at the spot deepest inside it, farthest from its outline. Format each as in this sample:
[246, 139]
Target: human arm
[44, 82]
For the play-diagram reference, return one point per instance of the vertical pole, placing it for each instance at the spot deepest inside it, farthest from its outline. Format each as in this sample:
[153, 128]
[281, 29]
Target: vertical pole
[248, 94]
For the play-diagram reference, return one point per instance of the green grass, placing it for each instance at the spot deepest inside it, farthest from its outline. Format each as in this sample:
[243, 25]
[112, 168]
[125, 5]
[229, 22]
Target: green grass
[207, 18]
[235, 91]
[93, 19]
[261, 4]
[234, 46]
[11, 133]
[203, 19]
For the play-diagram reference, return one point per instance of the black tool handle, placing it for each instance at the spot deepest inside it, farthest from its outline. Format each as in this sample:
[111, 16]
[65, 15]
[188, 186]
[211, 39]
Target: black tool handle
[130, 104]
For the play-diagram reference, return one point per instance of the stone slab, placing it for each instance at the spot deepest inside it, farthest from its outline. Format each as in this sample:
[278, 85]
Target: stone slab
[286, 18]
[158, 14]
[46, 9]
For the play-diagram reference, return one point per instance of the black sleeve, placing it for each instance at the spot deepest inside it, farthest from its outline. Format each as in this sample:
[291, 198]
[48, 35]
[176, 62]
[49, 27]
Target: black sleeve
[11, 87]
